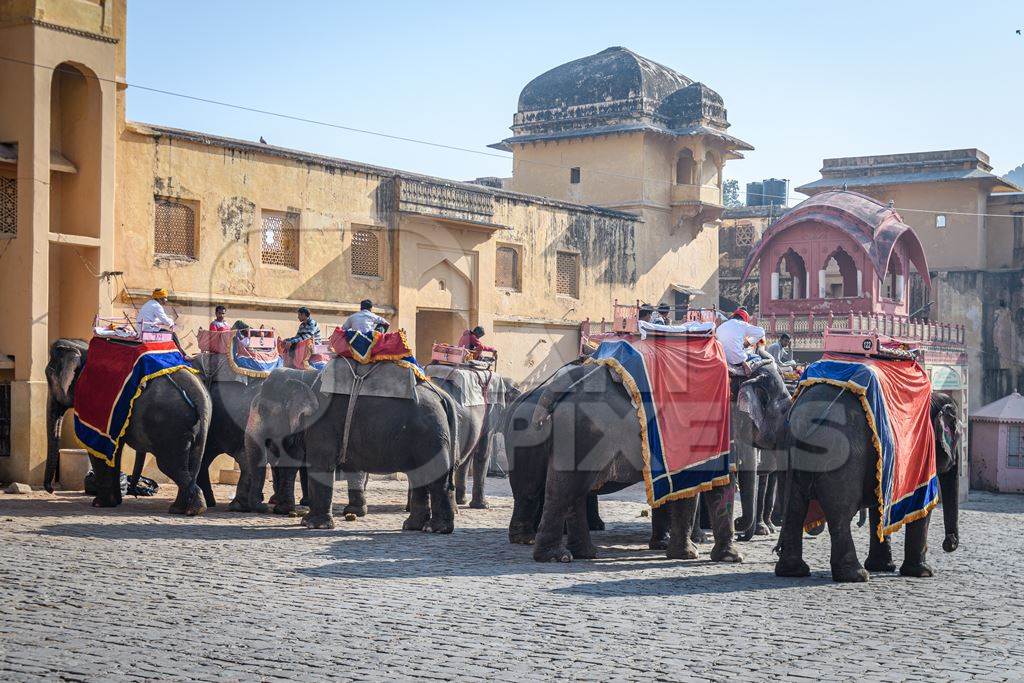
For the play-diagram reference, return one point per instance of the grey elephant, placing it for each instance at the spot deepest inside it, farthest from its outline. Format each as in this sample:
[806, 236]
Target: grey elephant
[599, 445]
[170, 419]
[479, 418]
[834, 461]
[387, 435]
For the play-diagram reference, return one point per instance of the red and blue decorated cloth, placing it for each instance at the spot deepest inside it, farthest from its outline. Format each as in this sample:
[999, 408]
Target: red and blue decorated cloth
[302, 355]
[680, 387]
[896, 397]
[373, 347]
[252, 362]
[114, 375]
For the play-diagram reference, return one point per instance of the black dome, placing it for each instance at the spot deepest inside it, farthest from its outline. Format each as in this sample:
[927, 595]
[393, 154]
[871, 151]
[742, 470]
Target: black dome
[610, 75]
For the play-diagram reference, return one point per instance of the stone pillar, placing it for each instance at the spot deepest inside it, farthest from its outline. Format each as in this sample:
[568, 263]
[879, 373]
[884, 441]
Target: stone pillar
[775, 286]
[822, 281]
[899, 288]
[860, 283]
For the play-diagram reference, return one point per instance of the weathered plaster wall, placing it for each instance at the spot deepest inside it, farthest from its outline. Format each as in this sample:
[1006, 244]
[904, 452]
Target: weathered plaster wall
[986, 438]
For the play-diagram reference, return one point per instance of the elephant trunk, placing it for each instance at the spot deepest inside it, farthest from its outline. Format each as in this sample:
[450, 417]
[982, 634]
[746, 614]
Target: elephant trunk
[747, 522]
[949, 485]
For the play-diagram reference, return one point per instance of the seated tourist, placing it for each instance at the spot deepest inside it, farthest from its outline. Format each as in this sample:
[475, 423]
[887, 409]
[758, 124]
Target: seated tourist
[662, 316]
[308, 329]
[365, 321]
[240, 327]
[471, 340]
[735, 335]
[782, 352]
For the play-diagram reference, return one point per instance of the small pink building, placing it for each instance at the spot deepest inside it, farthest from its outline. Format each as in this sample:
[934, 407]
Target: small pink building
[997, 446]
[838, 252]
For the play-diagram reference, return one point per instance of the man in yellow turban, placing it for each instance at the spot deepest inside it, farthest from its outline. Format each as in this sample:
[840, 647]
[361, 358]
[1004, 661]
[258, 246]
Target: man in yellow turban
[152, 316]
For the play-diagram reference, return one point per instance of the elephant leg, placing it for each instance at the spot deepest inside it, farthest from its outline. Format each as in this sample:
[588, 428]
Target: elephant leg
[720, 504]
[915, 549]
[660, 520]
[846, 568]
[760, 528]
[862, 518]
[770, 485]
[275, 479]
[778, 505]
[303, 487]
[442, 512]
[356, 494]
[700, 520]
[579, 542]
[562, 489]
[791, 538]
[108, 483]
[594, 521]
[320, 480]
[285, 504]
[460, 482]
[419, 509]
[203, 479]
[481, 459]
[746, 523]
[682, 514]
[879, 557]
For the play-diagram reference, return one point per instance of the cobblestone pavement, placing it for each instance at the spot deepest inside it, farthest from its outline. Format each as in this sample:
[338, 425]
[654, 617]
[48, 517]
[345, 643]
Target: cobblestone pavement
[133, 593]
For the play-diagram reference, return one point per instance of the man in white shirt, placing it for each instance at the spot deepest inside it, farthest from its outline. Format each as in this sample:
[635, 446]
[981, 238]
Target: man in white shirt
[365, 321]
[735, 334]
[152, 316]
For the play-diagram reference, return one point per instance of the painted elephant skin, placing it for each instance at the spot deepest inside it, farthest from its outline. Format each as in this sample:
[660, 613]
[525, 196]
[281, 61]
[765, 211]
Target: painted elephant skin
[832, 457]
[476, 425]
[387, 435]
[170, 418]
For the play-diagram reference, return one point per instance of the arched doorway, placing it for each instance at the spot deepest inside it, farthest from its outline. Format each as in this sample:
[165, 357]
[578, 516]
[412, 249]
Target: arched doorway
[789, 281]
[840, 275]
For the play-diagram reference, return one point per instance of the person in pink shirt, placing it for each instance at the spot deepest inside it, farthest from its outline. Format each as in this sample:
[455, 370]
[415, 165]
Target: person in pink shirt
[219, 323]
[471, 340]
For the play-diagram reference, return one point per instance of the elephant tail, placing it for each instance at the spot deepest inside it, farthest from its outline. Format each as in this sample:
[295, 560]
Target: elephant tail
[452, 415]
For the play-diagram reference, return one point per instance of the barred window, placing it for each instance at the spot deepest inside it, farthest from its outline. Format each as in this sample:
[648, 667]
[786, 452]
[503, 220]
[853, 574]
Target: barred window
[280, 243]
[745, 235]
[567, 280]
[506, 268]
[8, 207]
[174, 229]
[1015, 447]
[365, 253]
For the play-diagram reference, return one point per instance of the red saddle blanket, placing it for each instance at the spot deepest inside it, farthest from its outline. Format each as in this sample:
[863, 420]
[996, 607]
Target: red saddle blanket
[373, 347]
[114, 375]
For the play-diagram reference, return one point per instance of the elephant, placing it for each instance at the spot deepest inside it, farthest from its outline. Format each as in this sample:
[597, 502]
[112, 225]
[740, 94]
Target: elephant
[476, 425]
[843, 480]
[170, 418]
[387, 435]
[600, 447]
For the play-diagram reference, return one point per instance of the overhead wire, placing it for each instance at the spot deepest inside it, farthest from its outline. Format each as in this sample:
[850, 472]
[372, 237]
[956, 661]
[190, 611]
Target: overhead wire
[430, 143]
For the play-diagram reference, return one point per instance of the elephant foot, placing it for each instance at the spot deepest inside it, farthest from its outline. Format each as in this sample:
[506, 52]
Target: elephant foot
[699, 536]
[273, 499]
[237, 506]
[283, 508]
[681, 551]
[745, 536]
[105, 502]
[762, 530]
[849, 574]
[586, 552]
[657, 543]
[521, 537]
[355, 510]
[726, 553]
[414, 523]
[460, 496]
[312, 521]
[816, 531]
[196, 505]
[479, 504]
[439, 526]
[261, 508]
[919, 570]
[556, 554]
[596, 524]
[792, 567]
[882, 563]
[299, 511]
[951, 542]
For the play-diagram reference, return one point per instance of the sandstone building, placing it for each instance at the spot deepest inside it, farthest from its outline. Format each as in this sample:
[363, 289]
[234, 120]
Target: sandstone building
[616, 187]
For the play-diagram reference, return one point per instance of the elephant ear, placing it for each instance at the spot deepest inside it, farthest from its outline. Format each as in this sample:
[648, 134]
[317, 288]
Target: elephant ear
[950, 429]
[748, 402]
[302, 403]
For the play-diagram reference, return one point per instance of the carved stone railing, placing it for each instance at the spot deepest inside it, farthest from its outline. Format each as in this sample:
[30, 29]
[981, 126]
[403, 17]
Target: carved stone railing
[445, 200]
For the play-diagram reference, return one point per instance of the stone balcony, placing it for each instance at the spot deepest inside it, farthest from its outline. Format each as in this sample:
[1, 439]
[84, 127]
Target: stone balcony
[697, 204]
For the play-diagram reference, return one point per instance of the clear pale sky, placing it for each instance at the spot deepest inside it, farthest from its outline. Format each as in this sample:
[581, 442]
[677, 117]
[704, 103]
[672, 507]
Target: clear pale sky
[801, 80]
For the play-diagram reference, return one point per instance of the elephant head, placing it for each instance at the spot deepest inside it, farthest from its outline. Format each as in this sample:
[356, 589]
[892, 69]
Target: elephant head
[947, 465]
[284, 406]
[764, 398]
[67, 358]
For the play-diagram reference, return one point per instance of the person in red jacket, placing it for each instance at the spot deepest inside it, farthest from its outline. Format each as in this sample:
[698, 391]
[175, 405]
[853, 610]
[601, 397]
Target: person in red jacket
[471, 340]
